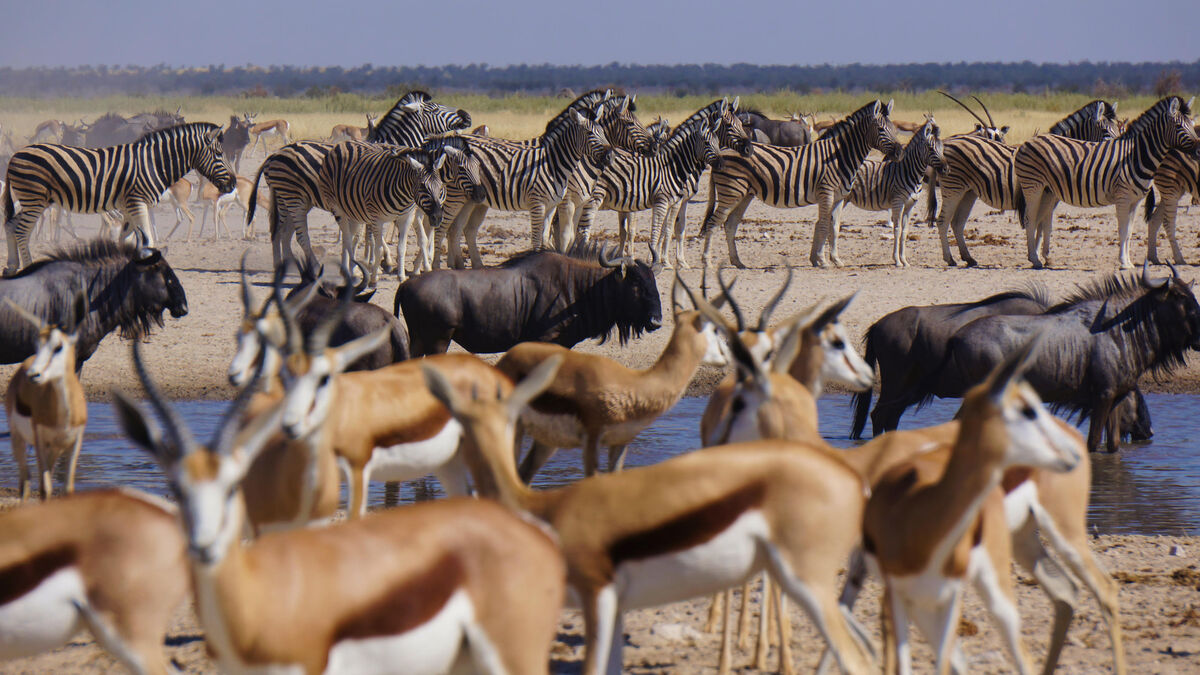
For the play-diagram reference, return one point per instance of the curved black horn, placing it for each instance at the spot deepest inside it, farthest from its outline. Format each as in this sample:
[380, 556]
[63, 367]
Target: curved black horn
[177, 430]
[1174, 271]
[991, 122]
[765, 316]
[964, 105]
[362, 285]
[1147, 281]
[737, 311]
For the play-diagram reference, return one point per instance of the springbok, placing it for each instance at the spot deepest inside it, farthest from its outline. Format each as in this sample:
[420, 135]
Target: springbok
[260, 130]
[221, 203]
[730, 512]
[50, 130]
[432, 588]
[45, 403]
[179, 192]
[595, 400]
[110, 561]
[349, 132]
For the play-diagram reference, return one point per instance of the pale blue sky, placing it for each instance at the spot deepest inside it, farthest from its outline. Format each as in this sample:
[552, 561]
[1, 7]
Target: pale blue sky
[388, 32]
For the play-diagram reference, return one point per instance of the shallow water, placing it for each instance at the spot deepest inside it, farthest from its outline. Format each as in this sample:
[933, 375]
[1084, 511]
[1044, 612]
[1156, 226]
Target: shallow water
[1150, 488]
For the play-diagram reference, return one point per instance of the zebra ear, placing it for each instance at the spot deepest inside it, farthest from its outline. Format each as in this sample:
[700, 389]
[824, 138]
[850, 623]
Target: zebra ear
[1190, 102]
[891, 104]
[624, 106]
[1004, 129]
[439, 163]
[580, 119]
[411, 106]
[736, 101]
[1100, 111]
[1114, 107]
[414, 163]
[212, 135]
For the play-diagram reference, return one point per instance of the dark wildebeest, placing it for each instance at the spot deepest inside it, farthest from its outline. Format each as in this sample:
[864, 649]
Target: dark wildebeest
[908, 343]
[234, 141]
[1095, 346]
[534, 296]
[127, 288]
[778, 132]
[113, 129]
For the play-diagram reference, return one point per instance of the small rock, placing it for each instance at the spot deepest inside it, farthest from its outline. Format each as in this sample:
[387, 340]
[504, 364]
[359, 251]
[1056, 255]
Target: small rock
[1178, 551]
[676, 632]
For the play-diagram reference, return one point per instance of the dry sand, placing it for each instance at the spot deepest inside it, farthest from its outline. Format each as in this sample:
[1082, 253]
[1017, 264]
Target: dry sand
[1160, 592]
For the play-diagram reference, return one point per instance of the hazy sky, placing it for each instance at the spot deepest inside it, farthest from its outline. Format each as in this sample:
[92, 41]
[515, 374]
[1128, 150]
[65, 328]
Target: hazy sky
[436, 32]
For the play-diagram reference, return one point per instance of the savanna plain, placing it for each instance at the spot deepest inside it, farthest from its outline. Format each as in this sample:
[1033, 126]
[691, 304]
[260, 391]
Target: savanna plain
[1159, 576]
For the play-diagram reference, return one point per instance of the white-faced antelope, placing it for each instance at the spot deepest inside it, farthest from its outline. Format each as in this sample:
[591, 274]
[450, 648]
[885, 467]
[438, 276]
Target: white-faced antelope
[432, 588]
[45, 403]
[349, 132]
[259, 131]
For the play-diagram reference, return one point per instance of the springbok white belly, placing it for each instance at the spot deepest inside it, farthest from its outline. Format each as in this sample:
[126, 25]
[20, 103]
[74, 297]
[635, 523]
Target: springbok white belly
[1018, 504]
[727, 559]
[45, 617]
[432, 647]
[409, 461]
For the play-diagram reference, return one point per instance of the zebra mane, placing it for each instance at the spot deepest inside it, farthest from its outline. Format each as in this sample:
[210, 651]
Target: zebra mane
[167, 133]
[395, 112]
[1082, 115]
[846, 123]
[415, 95]
[436, 144]
[685, 127]
[1154, 112]
[582, 104]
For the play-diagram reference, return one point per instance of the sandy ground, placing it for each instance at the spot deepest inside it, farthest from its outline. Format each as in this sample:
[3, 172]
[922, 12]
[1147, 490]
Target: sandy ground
[1160, 591]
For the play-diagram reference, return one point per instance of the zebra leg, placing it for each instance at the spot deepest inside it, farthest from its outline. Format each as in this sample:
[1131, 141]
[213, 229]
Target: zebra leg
[959, 224]
[680, 225]
[539, 227]
[949, 211]
[1170, 210]
[900, 216]
[823, 231]
[137, 219]
[668, 234]
[1125, 209]
[1046, 224]
[472, 235]
[298, 225]
[565, 221]
[731, 225]
[1033, 202]
[835, 228]
[402, 225]
[658, 222]
[624, 236]
[351, 233]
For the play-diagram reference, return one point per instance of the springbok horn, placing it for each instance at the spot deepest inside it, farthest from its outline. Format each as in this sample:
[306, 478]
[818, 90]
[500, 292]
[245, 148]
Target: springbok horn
[247, 298]
[737, 311]
[293, 340]
[686, 289]
[29, 316]
[964, 106]
[765, 316]
[1147, 281]
[985, 111]
[1012, 367]
[227, 430]
[178, 432]
[318, 340]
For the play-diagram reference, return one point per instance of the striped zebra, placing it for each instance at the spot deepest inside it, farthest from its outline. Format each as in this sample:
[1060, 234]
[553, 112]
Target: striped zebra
[1051, 169]
[635, 183]
[366, 185]
[978, 165]
[291, 172]
[1179, 174]
[820, 173]
[583, 180]
[659, 130]
[894, 185]
[525, 176]
[129, 178]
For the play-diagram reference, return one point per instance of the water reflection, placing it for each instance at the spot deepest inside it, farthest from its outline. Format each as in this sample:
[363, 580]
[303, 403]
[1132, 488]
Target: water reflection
[1152, 488]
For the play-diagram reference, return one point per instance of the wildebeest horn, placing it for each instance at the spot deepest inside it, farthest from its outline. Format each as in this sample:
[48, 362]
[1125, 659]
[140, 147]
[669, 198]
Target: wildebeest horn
[605, 261]
[318, 340]
[1174, 271]
[26, 314]
[362, 285]
[1013, 367]
[991, 121]
[178, 433]
[247, 298]
[737, 311]
[1147, 281]
[765, 316]
[964, 105]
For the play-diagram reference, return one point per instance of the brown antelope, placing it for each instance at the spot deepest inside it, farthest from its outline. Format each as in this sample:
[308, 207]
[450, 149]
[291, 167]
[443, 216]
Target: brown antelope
[922, 526]
[109, 561]
[260, 130]
[50, 130]
[595, 400]
[221, 203]
[179, 192]
[349, 132]
[730, 512]
[432, 588]
[45, 403]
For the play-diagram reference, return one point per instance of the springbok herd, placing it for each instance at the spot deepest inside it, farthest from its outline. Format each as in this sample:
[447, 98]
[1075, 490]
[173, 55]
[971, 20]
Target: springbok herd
[334, 391]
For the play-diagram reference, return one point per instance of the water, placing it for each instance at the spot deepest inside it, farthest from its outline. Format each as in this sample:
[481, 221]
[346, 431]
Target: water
[1150, 488]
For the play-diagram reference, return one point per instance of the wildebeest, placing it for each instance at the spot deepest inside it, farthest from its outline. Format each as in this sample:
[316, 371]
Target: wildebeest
[234, 141]
[127, 288]
[779, 132]
[1095, 346]
[360, 318]
[113, 129]
[908, 343]
[537, 295]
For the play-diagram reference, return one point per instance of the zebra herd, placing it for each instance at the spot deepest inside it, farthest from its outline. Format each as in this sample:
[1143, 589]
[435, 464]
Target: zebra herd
[597, 155]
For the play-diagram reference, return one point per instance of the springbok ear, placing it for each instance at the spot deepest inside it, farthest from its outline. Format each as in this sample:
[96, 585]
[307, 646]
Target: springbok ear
[140, 427]
[441, 389]
[788, 349]
[830, 315]
[1013, 367]
[355, 349]
[534, 384]
[1004, 129]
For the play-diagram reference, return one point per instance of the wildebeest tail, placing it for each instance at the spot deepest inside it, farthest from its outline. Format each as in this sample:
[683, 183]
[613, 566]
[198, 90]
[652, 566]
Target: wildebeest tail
[254, 203]
[862, 400]
[8, 202]
[1149, 205]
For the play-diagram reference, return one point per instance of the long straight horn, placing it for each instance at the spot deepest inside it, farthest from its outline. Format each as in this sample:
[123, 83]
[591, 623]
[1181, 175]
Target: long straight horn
[964, 106]
[318, 340]
[737, 311]
[230, 424]
[178, 433]
[1013, 366]
[247, 297]
[741, 353]
[765, 316]
[987, 112]
[293, 340]
[29, 316]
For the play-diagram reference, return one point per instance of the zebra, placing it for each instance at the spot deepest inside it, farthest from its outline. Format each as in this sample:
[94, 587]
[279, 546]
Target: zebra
[128, 177]
[979, 165]
[366, 184]
[1118, 171]
[521, 176]
[659, 130]
[291, 172]
[583, 179]
[635, 183]
[894, 185]
[821, 173]
[1179, 174]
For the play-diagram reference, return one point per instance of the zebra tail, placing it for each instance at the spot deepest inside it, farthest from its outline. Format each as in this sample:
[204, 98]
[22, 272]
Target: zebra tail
[862, 400]
[1149, 205]
[8, 202]
[254, 201]
[931, 200]
[1019, 199]
[706, 224]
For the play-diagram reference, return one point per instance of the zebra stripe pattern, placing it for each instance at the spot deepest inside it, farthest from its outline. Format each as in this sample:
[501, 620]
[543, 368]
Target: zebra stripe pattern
[635, 183]
[520, 176]
[130, 178]
[1179, 174]
[821, 173]
[291, 173]
[1095, 121]
[1116, 172]
[980, 166]
[367, 184]
[894, 185]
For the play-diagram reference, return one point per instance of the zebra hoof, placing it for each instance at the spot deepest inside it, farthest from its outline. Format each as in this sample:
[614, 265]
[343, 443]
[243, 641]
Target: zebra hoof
[971, 262]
